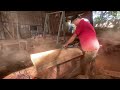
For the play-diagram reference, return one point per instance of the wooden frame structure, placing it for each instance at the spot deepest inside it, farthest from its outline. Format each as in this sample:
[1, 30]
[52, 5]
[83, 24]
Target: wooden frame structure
[61, 24]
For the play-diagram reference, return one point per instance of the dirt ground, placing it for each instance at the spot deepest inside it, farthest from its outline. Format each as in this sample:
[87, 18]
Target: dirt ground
[102, 62]
[109, 60]
[15, 59]
[21, 66]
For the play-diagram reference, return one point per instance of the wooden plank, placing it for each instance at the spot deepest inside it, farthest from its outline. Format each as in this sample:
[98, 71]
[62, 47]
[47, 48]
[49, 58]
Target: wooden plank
[7, 31]
[73, 72]
[111, 73]
[52, 58]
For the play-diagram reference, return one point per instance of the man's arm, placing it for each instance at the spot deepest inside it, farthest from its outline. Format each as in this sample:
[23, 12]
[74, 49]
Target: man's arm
[70, 40]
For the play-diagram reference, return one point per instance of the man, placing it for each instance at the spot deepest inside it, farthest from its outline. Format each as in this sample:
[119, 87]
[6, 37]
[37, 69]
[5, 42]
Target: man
[88, 42]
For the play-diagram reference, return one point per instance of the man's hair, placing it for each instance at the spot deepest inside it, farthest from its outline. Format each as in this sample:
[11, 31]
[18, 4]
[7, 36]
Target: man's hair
[74, 17]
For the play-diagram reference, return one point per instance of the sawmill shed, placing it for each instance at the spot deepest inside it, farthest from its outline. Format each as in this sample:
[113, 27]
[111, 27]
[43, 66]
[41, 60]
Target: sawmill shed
[18, 24]
[30, 45]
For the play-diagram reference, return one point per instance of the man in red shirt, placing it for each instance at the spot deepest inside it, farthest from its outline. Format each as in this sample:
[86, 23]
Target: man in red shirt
[89, 44]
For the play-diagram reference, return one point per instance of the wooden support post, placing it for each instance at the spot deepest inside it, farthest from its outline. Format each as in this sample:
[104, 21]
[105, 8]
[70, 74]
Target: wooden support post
[2, 30]
[49, 25]
[13, 30]
[58, 71]
[44, 32]
[18, 34]
[59, 28]
[47, 30]
[64, 25]
[7, 31]
[2, 34]
[21, 45]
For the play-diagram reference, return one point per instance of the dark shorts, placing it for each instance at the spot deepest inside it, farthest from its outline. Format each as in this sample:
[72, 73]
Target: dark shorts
[88, 62]
[90, 55]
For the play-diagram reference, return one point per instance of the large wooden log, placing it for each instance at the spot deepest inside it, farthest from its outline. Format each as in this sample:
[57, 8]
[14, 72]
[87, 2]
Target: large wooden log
[55, 57]
[45, 65]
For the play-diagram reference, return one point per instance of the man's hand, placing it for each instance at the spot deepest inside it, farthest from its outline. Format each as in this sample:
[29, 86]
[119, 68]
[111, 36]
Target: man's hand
[70, 40]
[65, 45]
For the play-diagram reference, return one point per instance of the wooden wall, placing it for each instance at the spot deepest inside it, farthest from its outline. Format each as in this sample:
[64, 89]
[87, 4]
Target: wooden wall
[18, 23]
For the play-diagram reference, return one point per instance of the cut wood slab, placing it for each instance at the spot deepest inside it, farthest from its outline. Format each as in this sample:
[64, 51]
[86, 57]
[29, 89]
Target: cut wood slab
[55, 57]
[111, 73]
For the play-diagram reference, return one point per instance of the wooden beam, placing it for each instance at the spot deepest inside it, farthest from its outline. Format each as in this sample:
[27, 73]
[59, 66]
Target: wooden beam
[72, 13]
[55, 12]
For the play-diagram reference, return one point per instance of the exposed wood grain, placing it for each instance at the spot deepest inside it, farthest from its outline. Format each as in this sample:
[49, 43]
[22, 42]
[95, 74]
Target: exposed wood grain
[52, 58]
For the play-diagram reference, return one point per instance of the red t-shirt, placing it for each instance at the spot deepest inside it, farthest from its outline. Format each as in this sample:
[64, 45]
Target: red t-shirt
[87, 36]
